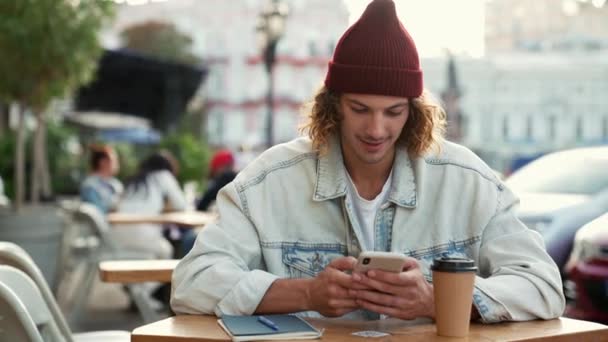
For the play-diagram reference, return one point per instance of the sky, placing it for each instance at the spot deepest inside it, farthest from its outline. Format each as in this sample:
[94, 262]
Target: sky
[435, 25]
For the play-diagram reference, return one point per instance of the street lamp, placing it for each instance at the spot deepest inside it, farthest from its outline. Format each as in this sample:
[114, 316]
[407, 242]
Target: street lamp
[270, 28]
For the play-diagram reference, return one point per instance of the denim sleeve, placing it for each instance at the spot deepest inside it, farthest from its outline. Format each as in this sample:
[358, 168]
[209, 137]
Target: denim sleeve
[223, 273]
[519, 281]
[90, 195]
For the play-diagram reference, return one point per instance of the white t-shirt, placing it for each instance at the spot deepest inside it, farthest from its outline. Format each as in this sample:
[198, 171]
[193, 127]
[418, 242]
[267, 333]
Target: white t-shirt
[146, 237]
[160, 186]
[365, 211]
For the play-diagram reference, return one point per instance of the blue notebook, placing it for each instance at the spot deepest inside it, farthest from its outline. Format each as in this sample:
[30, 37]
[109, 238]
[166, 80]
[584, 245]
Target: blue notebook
[249, 328]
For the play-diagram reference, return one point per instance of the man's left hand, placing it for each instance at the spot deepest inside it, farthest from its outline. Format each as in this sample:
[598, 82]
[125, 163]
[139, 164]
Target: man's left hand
[404, 295]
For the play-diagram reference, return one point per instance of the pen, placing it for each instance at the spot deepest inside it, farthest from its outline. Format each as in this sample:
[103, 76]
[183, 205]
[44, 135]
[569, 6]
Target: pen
[268, 323]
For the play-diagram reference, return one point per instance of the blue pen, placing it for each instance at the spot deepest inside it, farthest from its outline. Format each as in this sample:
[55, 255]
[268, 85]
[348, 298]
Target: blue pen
[268, 323]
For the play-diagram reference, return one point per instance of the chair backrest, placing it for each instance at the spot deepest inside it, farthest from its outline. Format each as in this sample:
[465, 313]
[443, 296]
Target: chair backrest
[31, 317]
[13, 255]
[90, 215]
[16, 323]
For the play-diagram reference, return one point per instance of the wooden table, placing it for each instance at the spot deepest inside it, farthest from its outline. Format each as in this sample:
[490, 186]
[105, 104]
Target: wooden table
[205, 328]
[134, 274]
[182, 218]
[137, 271]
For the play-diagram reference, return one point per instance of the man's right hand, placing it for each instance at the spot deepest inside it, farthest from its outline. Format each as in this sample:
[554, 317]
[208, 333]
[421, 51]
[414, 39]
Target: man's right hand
[328, 292]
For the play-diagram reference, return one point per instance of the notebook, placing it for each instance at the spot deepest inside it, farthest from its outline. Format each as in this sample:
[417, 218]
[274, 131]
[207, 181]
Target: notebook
[249, 328]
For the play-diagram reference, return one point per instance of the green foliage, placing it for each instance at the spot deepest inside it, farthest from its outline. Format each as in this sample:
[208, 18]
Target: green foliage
[161, 40]
[49, 47]
[7, 162]
[65, 166]
[128, 158]
[192, 154]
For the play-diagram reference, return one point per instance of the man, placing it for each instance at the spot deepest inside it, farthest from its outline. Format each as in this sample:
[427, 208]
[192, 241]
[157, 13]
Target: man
[100, 188]
[374, 175]
[221, 172]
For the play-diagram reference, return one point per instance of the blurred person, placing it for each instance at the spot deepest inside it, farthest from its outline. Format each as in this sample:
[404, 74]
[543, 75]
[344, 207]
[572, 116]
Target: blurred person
[374, 174]
[221, 172]
[150, 191]
[153, 189]
[100, 188]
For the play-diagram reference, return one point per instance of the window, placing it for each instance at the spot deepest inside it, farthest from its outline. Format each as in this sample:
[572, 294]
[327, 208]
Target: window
[215, 126]
[579, 128]
[332, 46]
[552, 127]
[312, 48]
[505, 128]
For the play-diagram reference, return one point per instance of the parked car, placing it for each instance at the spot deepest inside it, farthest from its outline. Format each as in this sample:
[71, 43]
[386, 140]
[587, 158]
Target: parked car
[558, 180]
[564, 223]
[588, 272]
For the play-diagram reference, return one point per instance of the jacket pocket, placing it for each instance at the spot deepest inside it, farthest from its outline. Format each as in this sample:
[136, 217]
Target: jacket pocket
[305, 260]
[456, 249]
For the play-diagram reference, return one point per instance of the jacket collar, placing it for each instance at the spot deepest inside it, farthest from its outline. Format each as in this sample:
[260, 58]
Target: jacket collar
[331, 177]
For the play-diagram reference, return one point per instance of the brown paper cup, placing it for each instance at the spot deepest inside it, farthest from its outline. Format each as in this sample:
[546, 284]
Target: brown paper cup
[453, 290]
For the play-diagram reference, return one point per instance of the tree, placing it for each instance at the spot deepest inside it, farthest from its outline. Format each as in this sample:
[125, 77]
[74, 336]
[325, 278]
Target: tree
[193, 156]
[161, 40]
[49, 48]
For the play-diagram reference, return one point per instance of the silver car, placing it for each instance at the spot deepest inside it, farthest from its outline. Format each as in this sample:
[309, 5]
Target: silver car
[559, 180]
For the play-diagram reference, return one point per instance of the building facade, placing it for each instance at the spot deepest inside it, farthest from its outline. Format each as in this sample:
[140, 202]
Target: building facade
[515, 101]
[527, 104]
[546, 71]
[545, 25]
[225, 38]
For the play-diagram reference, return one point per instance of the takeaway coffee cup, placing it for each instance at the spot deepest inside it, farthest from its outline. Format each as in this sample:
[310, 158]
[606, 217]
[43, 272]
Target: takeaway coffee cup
[453, 280]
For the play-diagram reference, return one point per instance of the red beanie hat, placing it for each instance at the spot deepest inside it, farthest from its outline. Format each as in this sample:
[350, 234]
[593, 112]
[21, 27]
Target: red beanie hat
[377, 56]
[220, 159]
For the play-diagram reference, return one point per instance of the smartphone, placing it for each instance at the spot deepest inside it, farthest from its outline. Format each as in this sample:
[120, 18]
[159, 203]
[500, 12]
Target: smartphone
[385, 261]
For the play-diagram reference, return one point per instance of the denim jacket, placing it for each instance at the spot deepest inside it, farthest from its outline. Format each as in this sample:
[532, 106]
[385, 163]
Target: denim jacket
[286, 216]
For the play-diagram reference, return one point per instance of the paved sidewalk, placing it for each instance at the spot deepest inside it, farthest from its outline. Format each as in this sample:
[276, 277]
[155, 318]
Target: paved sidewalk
[108, 308]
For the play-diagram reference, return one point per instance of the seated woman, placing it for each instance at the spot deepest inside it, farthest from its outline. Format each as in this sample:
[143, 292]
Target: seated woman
[149, 192]
[100, 188]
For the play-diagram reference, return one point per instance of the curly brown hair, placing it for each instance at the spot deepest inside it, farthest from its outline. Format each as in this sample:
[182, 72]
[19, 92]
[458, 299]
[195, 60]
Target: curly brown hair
[423, 130]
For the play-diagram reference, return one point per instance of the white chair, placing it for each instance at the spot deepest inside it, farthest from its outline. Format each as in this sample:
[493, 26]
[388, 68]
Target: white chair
[77, 243]
[15, 257]
[16, 324]
[33, 321]
[106, 249]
